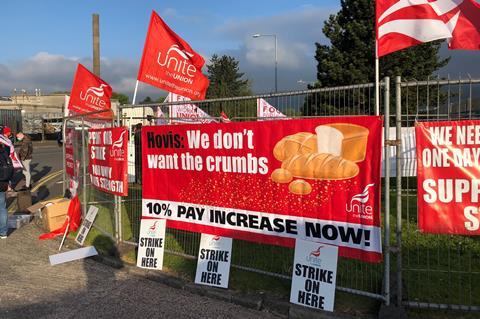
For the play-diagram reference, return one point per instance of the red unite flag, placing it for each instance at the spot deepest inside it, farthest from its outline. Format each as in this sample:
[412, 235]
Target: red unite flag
[224, 118]
[170, 64]
[90, 94]
[402, 24]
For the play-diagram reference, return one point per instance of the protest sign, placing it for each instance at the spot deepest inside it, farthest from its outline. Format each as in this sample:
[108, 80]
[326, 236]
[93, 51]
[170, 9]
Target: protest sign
[151, 244]
[86, 225]
[314, 275]
[107, 149]
[69, 155]
[270, 181]
[214, 258]
[448, 160]
[267, 111]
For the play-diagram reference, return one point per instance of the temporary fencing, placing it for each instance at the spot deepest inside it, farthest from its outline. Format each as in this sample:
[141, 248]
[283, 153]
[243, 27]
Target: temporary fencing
[434, 271]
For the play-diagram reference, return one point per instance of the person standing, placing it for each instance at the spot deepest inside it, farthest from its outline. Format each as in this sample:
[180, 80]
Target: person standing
[25, 154]
[6, 174]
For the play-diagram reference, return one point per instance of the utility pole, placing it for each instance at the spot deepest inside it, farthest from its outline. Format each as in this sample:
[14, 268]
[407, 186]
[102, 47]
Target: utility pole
[96, 43]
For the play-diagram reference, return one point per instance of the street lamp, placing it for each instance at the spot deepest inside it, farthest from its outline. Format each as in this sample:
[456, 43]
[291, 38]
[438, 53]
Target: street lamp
[258, 35]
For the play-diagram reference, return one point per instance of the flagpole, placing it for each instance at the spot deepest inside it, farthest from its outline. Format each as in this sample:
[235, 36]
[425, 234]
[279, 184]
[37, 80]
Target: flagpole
[377, 80]
[135, 93]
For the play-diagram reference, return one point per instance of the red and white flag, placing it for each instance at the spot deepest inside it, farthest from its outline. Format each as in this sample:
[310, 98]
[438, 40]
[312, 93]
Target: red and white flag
[13, 155]
[266, 111]
[224, 118]
[186, 113]
[90, 94]
[405, 23]
[465, 26]
[161, 120]
[170, 64]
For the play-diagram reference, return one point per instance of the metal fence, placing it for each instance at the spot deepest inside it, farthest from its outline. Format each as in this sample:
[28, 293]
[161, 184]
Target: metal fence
[353, 276]
[430, 271]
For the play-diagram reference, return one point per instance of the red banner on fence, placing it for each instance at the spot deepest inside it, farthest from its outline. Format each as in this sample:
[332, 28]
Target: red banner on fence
[448, 161]
[90, 94]
[69, 155]
[170, 64]
[108, 153]
[269, 181]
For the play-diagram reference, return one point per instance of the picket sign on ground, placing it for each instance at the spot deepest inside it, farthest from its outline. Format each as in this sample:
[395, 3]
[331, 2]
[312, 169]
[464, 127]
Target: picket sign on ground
[151, 244]
[214, 259]
[314, 275]
[86, 225]
[73, 255]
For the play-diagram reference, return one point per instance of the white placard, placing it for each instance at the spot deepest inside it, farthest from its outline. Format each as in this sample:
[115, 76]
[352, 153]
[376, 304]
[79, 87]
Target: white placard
[151, 244]
[314, 275]
[214, 258]
[86, 225]
[72, 255]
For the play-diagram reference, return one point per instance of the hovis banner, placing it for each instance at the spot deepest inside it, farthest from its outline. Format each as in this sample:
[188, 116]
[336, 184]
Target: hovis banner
[107, 149]
[90, 94]
[170, 64]
[270, 182]
[448, 161]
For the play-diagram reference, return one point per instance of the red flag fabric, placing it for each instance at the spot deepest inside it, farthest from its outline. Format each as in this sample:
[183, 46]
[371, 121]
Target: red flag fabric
[74, 215]
[90, 94]
[170, 64]
[224, 118]
[466, 26]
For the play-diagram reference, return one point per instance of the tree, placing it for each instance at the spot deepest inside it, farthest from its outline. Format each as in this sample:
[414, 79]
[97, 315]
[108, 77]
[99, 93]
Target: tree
[350, 57]
[122, 98]
[147, 100]
[225, 78]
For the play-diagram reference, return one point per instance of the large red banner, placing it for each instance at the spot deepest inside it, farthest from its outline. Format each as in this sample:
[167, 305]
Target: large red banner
[169, 63]
[90, 94]
[269, 181]
[108, 152]
[69, 154]
[448, 161]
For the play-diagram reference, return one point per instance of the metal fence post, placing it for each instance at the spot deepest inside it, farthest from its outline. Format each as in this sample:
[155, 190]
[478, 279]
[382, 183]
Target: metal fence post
[386, 243]
[84, 162]
[118, 199]
[64, 165]
[398, 116]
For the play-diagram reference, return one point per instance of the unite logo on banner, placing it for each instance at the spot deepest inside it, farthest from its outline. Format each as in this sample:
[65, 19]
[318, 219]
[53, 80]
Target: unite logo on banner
[359, 205]
[90, 94]
[169, 63]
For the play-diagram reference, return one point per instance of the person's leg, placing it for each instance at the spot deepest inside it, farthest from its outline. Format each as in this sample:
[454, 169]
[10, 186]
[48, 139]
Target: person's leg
[26, 172]
[3, 215]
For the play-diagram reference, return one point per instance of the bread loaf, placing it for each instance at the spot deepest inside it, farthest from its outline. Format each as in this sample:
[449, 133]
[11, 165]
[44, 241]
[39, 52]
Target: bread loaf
[300, 187]
[281, 176]
[320, 166]
[300, 143]
[341, 139]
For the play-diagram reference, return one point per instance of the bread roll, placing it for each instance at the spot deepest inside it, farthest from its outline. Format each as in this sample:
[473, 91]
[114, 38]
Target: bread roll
[342, 139]
[320, 166]
[300, 143]
[282, 176]
[300, 187]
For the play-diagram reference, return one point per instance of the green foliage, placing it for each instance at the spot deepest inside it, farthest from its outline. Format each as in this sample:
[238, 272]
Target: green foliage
[350, 58]
[147, 100]
[122, 98]
[225, 78]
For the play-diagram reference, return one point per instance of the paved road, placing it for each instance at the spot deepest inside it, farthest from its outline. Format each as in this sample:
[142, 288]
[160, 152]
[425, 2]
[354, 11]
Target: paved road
[31, 288]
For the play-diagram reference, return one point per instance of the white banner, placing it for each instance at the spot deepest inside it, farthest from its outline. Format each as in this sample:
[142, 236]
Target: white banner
[264, 109]
[357, 236]
[86, 224]
[151, 244]
[214, 259]
[314, 275]
[186, 113]
[408, 153]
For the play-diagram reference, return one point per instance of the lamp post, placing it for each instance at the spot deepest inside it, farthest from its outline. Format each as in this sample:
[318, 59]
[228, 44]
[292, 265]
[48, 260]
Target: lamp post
[276, 60]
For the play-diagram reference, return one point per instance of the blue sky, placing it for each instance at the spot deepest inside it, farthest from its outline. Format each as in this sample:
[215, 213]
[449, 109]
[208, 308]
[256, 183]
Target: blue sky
[41, 41]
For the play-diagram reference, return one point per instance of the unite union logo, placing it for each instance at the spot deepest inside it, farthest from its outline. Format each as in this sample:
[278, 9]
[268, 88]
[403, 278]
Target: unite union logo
[152, 229]
[178, 63]
[214, 242]
[359, 204]
[119, 143]
[314, 257]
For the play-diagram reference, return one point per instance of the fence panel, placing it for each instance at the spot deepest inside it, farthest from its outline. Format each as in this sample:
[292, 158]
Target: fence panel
[439, 271]
[353, 276]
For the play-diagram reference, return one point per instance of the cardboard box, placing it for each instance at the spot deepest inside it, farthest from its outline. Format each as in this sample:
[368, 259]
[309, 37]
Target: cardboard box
[52, 212]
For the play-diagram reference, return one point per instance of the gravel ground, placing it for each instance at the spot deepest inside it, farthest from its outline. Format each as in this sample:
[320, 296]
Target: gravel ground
[31, 288]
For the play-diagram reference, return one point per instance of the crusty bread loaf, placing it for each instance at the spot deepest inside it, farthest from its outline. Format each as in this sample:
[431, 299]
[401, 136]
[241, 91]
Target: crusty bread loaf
[300, 143]
[281, 176]
[320, 166]
[300, 187]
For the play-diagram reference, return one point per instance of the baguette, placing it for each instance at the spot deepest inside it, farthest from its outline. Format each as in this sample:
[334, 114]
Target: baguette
[321, 166]
[300, 143]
